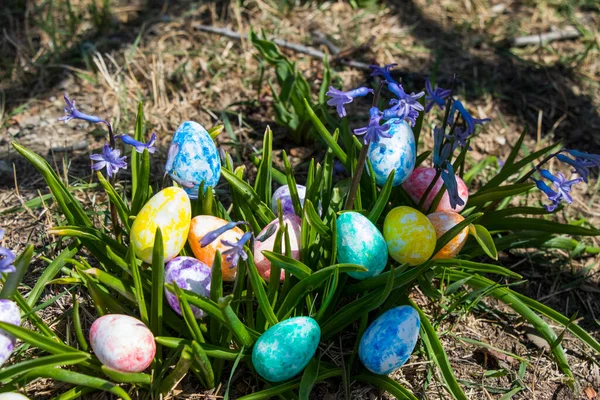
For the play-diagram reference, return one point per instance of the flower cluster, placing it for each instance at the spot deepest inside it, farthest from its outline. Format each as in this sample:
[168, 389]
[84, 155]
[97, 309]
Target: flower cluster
[7, 258]
[236, 250]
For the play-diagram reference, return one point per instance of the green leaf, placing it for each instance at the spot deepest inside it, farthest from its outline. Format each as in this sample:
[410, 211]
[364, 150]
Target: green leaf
[314, 220]
[215, 131]
[235, 365]
[91, 234]
[127, 377]
[498, 193]
[204, 363]
[11, 284]
[77, 325]
[211, 350]
[388, 385]
[259, 289]
[262, 184]
[485, 240]
[478, 267]
[179, 371]
[115, 198]
[542, 225]
[308, 378]
[294, 267]
[111, 282]
[325, 135]
[216, 292]
[382, 199]
[141, 193]
[139, 288]
[158, 281]
[12, 371]
[510, 160]
[249, 196]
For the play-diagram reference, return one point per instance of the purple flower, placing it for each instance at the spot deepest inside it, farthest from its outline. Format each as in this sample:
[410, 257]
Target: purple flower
[582, 166]
[236, 250]
[109, 159]
[72, 113]
[384, 71]
[7, 258]
[469, 120]
[442, 150]
[213, 235]
[339, 98]
[374, 131]
[451, 186]
[561, 185]
[436, 96]
[139, 146]
[461, 137]
[406, 107]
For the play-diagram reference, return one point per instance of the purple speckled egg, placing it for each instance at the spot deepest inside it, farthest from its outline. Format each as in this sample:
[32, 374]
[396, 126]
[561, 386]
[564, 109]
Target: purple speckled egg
[9, 313]
[189, 274]
[283, 194]
[266, 241]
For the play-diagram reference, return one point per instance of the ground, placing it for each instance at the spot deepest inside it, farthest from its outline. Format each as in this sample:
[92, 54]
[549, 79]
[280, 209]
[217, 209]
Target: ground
[110, 55]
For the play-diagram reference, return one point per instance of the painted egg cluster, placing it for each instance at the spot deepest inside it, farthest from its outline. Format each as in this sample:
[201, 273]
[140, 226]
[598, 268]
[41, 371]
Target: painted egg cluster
[193, 157]
[283, 194]
[390, 340]
[169, 209]
[409, 235]
[397, 153]
[418, 182]
[200, 226]
[444, 221]
[285, 349]
[360, 242]
[189, 274]
[9, 313]
[265, 240]
[122, 343]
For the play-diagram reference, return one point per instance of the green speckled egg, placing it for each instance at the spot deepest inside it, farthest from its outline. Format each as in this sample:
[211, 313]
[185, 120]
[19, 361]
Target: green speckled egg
[285, 349]
[360, 242]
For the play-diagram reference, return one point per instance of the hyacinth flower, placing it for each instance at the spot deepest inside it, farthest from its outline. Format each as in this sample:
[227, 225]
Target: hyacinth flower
[139, 146]
[213, 235]
[581, 166]
[7, 258]
[236, 250]
[451, 186]
[339, 99]
[469, 120]
[374, 131]
[71, 112]
[435, 96]
[561, 185]
[110, 159]
[442, 149]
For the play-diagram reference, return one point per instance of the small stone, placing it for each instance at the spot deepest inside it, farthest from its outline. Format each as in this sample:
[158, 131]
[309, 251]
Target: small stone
[14, 131]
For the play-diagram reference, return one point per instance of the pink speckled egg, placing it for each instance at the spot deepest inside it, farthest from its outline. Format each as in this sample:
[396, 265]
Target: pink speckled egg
[122, 343]
[266, 241]
[189, 274]
[417, 183]
[444, 221]
[9, 313]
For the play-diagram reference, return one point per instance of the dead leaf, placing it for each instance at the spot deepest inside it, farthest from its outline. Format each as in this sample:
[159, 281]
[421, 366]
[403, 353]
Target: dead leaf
[590, 393]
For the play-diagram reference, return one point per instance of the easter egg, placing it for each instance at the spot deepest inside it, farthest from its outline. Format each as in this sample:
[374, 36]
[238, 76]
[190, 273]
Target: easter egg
[283, 194]
[285, 349]
[409, 235]
[389, 341]
[189, 274]
[193, 158]
[13, 396]
[418, 182]
[169, 209]
[265, 240]
[200, 226]
[397, 153]
[122, 343]
[9, 313]
[360, 242]
[444, 221]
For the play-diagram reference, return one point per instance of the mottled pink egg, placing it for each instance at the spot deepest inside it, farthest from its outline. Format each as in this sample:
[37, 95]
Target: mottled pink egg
[266, 241]
[122, 343]
[189, 274]
[417, 183]
[9, 313]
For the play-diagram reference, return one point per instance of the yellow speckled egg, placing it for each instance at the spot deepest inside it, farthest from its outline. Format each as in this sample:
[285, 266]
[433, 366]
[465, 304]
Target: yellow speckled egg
[169, 209]
[201, 225]
[409, 235]
[444, 221]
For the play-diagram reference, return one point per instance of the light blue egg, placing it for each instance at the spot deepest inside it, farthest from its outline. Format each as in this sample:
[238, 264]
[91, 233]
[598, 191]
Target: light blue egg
[360, 242]
[397, 153]
[285, 349]
[193, 158]
[390, 340]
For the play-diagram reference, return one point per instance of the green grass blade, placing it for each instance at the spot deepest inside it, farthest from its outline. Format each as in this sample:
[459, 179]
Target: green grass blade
[216, 292]
[259, 289]
[135, 156]
[382, 199]
[127, 377]
[295, 267]
[498, 193]
[158, 282]
[249, 196]
[388, 385]
[536, 224]
[139, 288]
[122, 208]
[485, 240]
[11, 284]
[204, 364]
[77, 325]
[325, 135]
[12, 371]
[308, 378]
[263, 182]
[141, 193]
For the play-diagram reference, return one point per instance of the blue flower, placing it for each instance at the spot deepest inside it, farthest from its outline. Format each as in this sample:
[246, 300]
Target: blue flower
[236, 250]
[213, 235]
[7, 258]
[582, 166]
[441, 151]
[374, 131]
[461, 137]
[436, 96]
[561, 185]
[339, 98]
[72, 113]
[109, 159]
[469, 120]
[384, 71]
[139, 146]
[451, 186]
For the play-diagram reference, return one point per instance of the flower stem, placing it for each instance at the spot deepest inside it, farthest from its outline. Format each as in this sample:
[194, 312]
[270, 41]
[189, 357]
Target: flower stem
[113, 208]
[438, 173]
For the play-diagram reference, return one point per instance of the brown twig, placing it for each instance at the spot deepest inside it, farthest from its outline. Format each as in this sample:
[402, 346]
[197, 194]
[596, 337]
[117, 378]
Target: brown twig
[543, 38]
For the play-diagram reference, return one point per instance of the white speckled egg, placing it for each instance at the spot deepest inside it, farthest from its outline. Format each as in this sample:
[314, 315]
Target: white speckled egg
[285, 349]
[169, 209]
[397, 153]
[9, 313]
[389, 341]
[189, 274]
[122, 343]
[13, 396]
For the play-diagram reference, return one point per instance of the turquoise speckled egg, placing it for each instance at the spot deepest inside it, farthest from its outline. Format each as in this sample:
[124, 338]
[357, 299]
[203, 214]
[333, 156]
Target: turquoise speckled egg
[193, 158]
[397, 153]
[360, 242]
[389, 341]
[285, 349]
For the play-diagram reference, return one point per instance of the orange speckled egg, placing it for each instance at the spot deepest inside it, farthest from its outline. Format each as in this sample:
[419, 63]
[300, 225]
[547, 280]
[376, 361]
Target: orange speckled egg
[203, 224]
[444, 221]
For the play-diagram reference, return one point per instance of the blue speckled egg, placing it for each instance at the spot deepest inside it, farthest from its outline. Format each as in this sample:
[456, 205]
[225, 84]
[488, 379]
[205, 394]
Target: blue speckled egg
[389, 341]
[189, 274]
[193, 158]
[285, 349]
[360, 242]
[397, 153]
